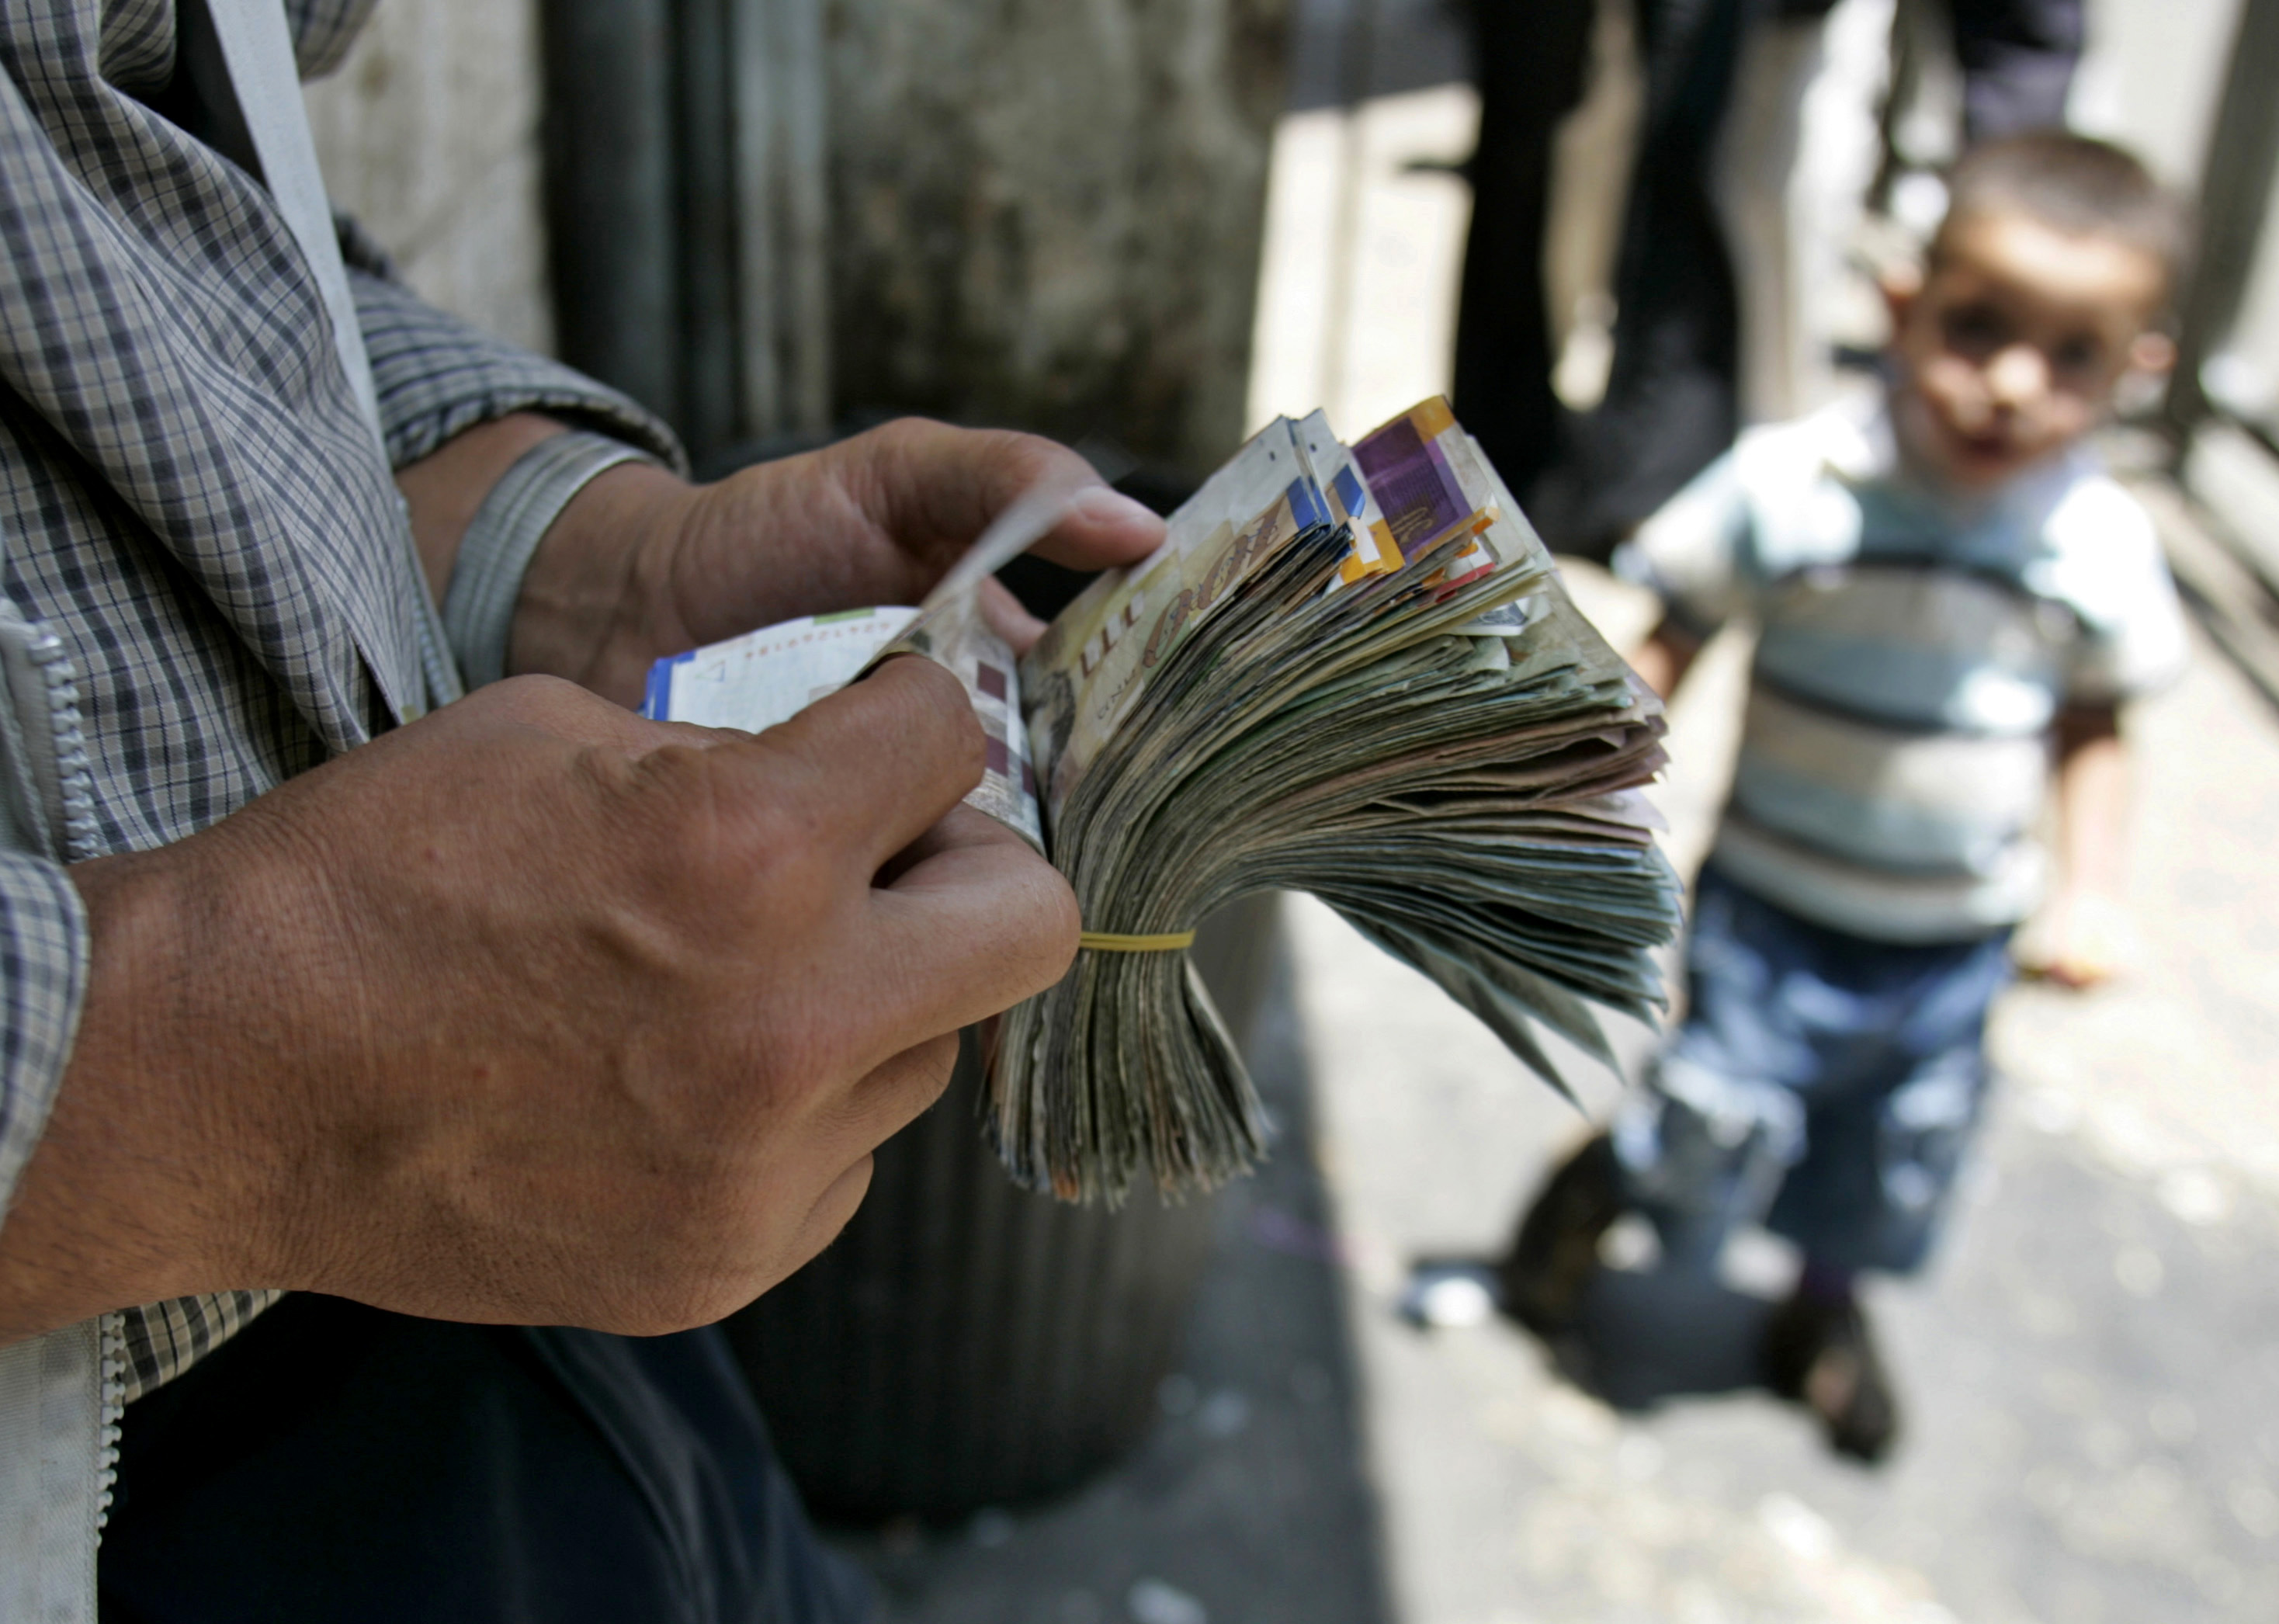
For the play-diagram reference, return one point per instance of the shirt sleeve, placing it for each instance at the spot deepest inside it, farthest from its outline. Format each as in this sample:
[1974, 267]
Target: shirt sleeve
[438, 376]
[43, 956]
[1693, 552]
[2106, 565]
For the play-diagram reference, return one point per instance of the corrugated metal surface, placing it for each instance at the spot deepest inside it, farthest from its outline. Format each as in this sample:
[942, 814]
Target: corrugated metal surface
[967, 1344]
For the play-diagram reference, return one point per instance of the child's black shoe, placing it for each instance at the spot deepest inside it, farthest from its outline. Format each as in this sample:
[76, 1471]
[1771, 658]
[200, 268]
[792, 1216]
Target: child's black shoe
[1818, 1352]
[1556, 1251]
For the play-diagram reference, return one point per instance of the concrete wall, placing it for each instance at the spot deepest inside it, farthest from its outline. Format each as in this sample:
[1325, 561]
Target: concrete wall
[1040, 213]
[428, 134]
[1050, 214]
[2152, 76]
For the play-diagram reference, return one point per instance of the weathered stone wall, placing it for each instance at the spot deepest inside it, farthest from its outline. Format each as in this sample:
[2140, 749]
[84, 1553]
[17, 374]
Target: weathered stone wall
[1041, 212]
[428, 134]
[1048, 213]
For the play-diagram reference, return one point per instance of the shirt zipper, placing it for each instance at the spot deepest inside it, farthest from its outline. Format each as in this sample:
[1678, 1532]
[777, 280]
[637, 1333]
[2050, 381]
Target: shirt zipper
[65, 783]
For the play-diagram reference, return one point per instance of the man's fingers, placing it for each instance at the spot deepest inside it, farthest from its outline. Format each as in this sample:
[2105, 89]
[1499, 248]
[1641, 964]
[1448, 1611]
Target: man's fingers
[960, 826]
[567, 711]
[556, 706]
[1004, 615]
[870, 768]
[934, 489]
[977, 924]
[880, 1105]
[828, 1216]
[893, 1095]
[1103, 528]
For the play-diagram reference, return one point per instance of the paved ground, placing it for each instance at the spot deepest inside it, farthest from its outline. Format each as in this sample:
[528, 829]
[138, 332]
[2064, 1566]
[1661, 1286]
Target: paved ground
[2092, 1369]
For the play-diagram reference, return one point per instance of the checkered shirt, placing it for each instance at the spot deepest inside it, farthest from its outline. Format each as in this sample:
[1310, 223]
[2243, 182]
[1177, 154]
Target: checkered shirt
[190, 501]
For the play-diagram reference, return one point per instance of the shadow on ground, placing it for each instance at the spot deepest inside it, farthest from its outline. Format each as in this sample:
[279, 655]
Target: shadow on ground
[1642, 1335]
[1250, 1500]
[1647, 1335]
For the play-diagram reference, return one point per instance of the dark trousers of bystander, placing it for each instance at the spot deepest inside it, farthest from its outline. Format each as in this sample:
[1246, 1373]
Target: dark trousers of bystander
[1672, 404]
[1533, 66]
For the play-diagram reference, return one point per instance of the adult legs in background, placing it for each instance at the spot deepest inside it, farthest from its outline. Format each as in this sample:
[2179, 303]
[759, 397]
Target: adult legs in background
[2018, 58]
[1802, 149]
[1533, 58]
[2015, 59]
[1672, 399]
[338, 1463]
[1670, 403]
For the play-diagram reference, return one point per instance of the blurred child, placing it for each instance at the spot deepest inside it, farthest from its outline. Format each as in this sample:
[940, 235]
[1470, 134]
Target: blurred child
[1953, 602]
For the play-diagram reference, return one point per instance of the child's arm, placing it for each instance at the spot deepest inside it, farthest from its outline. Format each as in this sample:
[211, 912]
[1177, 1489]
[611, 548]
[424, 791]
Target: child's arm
[2086, 917]
[1662, 661]
[1696, 554]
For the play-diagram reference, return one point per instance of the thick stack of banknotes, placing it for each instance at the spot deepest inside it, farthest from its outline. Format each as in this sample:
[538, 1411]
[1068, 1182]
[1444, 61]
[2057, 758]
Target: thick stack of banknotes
[1351, 671]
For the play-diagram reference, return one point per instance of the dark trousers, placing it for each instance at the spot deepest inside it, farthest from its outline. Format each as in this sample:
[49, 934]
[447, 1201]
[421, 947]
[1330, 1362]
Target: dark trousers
[1533, 62]
[2018, 58]
[336, 1463]
[1672, 400]
[1822, 1085]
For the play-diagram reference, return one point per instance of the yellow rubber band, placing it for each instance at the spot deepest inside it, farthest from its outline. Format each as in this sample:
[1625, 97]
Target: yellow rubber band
[1109, 941]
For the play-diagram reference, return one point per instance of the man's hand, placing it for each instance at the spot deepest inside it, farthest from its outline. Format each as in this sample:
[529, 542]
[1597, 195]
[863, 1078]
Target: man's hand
[642, 565]
[532, 1011]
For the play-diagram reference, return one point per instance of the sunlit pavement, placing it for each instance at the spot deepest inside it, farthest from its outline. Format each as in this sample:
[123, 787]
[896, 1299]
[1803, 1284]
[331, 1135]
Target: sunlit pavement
[2090, 1367]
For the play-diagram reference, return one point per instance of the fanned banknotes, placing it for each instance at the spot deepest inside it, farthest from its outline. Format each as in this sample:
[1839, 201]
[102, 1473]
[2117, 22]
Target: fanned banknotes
[1348, 670]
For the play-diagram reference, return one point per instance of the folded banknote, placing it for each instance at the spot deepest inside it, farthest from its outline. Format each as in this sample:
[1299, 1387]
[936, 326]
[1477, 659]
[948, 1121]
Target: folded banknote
[1350, 670]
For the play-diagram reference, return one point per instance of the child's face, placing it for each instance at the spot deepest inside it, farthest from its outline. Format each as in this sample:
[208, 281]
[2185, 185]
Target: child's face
[2011, 349]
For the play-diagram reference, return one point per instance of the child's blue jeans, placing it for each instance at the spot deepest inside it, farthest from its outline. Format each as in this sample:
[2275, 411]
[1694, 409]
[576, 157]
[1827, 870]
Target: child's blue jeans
[1823, 1085]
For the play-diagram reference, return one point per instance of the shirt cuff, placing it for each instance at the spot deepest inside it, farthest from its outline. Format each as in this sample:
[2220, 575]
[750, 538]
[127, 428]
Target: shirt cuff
[437, 377]
[504, 535]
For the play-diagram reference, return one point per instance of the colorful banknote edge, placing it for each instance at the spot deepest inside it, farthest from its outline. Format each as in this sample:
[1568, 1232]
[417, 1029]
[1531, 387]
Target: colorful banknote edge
[764, 678]
[1412, 464]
